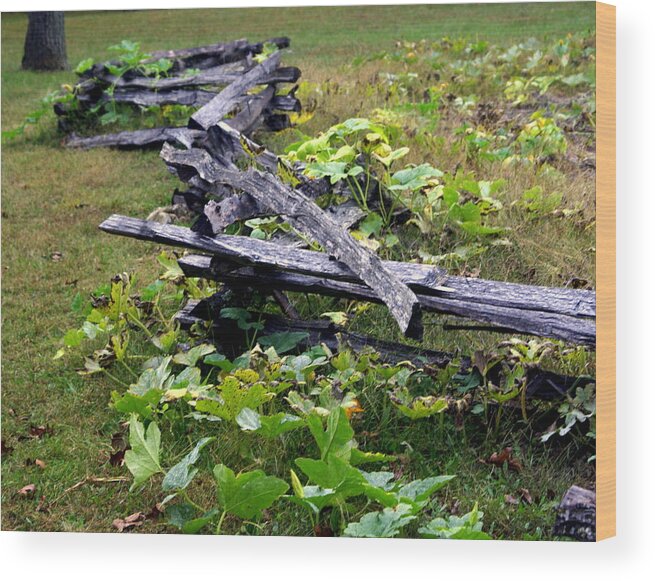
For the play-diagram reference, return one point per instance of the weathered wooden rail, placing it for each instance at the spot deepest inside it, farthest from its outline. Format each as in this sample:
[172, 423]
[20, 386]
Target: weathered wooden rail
[567, 314]
[220, 79]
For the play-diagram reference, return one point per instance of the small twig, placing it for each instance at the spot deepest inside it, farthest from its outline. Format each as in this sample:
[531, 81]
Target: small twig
[90, 480]
[285, 304]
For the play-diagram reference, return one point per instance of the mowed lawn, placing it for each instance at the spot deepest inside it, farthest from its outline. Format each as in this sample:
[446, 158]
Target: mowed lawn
[53, 200]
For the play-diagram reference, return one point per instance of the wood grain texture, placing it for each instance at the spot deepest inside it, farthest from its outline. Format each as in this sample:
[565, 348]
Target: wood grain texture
[606, 270]
[496, 308]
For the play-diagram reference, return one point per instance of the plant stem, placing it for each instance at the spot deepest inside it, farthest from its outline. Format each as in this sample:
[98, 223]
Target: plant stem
[115, 379]
[191, 502]
[131, 371]
[220, 522]
[140, 325]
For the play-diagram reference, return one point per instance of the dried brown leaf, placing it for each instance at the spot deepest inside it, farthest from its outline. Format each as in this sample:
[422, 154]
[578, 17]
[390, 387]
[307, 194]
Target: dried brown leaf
[525, 495]
[27, 490]
[134, 520]
[39, 432]
[500, 458]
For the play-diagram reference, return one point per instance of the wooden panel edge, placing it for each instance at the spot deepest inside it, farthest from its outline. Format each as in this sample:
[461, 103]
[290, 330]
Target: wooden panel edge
[606, 270]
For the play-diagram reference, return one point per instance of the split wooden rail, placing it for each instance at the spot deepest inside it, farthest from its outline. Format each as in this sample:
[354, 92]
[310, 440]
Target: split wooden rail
[220, 79]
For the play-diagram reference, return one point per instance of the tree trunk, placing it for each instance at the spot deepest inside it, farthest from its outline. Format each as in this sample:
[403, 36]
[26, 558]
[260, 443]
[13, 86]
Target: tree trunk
[45, 42]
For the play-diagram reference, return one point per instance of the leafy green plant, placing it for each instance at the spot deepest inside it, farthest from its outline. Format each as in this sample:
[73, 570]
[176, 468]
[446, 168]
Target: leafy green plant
[541, 138]
[579, 410]
[64, 96]
[466, 527]
[539, 204]
[247, 494]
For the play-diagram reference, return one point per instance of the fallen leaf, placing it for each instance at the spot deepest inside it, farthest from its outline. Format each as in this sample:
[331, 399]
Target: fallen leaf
[498, 459]
[42, 506]
[525, 495]
[509, 499]
[354, 408]
[323, 531]
[40, 431]
[129, 522]
[27, 490]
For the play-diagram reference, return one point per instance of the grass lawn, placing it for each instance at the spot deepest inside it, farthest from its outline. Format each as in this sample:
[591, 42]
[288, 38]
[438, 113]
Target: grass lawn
[53, 199]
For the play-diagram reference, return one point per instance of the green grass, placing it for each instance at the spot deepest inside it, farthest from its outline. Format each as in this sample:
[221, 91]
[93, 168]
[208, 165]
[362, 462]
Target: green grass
[53, 199]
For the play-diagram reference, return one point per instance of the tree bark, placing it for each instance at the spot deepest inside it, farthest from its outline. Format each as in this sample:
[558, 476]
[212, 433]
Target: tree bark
[45, 42]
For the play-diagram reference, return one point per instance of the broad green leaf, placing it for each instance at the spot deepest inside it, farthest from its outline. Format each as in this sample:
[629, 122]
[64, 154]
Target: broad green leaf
[219, 360]
[83, 66]
[152, 290]
[418, 407]
[337, 437]
[358, 457]
[142, 459]
[235, 397]
[74, 337]
[248, 420]
[333, 473]
[142, 405]
[172, 270]
[381, 480]
[189, 377]
[421, 490]
[384, 524]
[466, 527]
[183, 517]
[283, 342]
[387, 157]
[247, 494]
[372, 224]
[158, 378]
[191, 357]
[315, 498]
[280, 423]
[414, 178]
[181, 475]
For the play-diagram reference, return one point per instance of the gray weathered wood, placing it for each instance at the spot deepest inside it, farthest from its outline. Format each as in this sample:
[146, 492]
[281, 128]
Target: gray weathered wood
[522, 320]
[423, 278]
[223, 103]
[576, 515]
[306, 217]
[244, 121]
[140, 138]
[218, 75]
[250, 251]
[251, 111]
[147, 98]
[198, 57]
